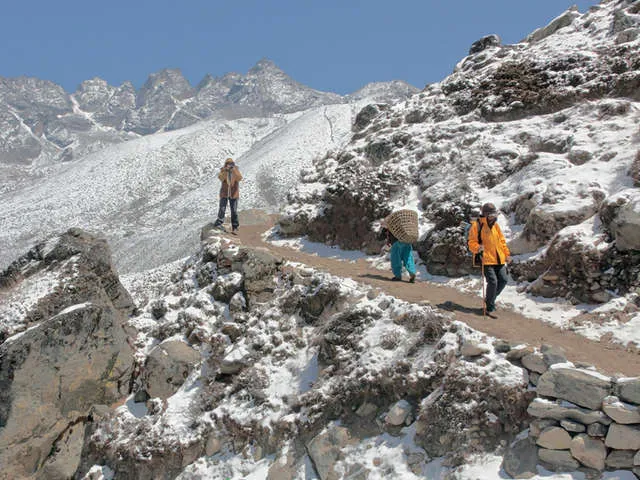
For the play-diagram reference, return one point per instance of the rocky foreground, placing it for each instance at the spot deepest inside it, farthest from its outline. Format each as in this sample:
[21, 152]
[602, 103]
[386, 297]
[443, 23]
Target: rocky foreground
[238, 362]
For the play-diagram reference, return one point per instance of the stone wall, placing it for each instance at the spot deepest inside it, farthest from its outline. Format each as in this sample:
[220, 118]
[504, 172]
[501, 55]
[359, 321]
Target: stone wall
[581, 419]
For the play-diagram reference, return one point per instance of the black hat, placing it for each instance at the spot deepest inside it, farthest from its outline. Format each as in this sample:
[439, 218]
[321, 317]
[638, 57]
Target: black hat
[489, 209]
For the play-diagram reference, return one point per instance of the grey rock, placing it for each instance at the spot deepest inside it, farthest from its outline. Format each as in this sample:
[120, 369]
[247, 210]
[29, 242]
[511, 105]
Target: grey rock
[618, 459]
[558, 460]
[597, 430]
[590, 452]
[484, 43]
[53, 374]
[167, 367]
[552, 355]
[573, 427]
[623, 437]
[518, 353]
[398, 413]
[545, 409]
[539, 424]
[534, 362]
[324, 450]
[521, 459]
[554, 438]
[628, 389]
[621, 215]
[474, 349]
[226, 286]
[534, 378]
[562, 21]
[66, 453]
[582, 387]
[620, 412]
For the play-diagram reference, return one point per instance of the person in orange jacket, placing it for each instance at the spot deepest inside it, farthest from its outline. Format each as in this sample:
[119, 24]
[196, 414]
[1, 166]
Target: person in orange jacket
[230, 177]
[495, 253]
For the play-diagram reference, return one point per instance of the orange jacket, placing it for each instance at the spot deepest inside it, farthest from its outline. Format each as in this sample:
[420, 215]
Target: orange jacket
[232, 177]
[495, 246]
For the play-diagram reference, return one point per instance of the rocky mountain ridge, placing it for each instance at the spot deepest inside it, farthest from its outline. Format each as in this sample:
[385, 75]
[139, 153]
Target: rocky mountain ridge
[41, 123]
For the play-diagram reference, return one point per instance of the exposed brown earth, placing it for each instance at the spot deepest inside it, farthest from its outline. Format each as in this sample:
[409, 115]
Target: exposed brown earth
[610, 357]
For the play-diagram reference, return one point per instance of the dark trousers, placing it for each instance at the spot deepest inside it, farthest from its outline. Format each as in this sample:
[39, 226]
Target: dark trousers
[233, 203]
[496, 276]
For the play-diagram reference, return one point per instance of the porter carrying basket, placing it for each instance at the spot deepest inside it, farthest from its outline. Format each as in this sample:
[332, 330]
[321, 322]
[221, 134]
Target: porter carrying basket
[403, 224]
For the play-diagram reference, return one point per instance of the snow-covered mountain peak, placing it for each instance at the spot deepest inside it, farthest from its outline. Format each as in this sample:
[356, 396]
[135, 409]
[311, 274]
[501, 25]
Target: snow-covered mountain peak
[168, 81]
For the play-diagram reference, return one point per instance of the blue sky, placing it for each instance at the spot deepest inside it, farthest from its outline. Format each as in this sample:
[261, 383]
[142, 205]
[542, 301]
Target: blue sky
[330, 45]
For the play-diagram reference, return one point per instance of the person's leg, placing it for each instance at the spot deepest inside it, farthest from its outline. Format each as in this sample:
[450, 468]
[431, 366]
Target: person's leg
[407, 259]
[501, 273]
[233, 203]
[396, 260]
[221, 212]
[492, 285]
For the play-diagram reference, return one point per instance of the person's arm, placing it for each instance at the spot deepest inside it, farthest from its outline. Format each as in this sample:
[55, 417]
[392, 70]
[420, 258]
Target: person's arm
[222, 176]
[472, 239]
[237, 176]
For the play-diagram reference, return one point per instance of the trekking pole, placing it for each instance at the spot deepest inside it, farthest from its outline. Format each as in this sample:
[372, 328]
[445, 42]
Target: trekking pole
[484, 304]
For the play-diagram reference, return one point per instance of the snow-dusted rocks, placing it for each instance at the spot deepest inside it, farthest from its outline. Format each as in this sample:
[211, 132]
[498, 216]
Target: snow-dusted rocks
[582, 387]
[620, 412]
[325, 449]
[562, 21]
[621, 216]
[65, 352]
[532, 127]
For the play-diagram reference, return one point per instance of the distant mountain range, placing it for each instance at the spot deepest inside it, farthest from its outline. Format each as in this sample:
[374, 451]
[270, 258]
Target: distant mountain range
[41, 124]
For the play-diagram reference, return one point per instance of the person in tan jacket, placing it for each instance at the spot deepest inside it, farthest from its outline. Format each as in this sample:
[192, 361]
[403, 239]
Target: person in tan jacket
[495, 253]
[230, 177]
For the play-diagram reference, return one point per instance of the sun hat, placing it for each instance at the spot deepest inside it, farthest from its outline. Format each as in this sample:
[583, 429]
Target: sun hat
[228, 160]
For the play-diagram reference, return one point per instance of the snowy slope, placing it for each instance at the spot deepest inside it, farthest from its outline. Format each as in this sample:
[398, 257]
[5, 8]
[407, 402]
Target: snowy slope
[152, 194]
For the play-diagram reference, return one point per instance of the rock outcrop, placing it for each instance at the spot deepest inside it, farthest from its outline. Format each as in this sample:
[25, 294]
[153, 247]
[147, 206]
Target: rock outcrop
[67, 352]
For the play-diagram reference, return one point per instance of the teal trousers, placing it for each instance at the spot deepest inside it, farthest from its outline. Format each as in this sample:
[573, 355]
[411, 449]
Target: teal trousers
[402, 253]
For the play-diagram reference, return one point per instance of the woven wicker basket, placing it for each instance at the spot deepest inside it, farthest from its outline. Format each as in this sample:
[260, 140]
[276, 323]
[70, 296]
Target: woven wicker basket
[403, 224]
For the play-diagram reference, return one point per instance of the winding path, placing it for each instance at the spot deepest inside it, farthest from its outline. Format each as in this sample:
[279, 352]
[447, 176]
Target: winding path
[511, 326]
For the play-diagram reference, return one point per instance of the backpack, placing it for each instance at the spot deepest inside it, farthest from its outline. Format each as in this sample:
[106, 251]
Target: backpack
[476, 257]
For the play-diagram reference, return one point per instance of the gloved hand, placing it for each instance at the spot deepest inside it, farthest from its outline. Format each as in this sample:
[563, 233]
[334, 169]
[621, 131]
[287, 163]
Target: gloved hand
[480, 249]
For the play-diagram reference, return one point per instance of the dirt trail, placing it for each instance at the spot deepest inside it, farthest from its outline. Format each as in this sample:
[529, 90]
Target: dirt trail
[608, 357]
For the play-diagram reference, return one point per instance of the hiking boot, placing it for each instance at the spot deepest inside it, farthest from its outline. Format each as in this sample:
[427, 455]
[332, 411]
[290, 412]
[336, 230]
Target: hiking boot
[234, 230]
[220, 227]
[396, 279]
[412, 278]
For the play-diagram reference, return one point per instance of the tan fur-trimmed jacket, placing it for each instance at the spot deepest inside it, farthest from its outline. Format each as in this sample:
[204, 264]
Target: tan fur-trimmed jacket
[232, 178]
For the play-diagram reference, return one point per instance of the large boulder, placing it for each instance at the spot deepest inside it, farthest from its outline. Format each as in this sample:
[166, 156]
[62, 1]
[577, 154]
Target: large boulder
[50, 377]
[63, 351]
